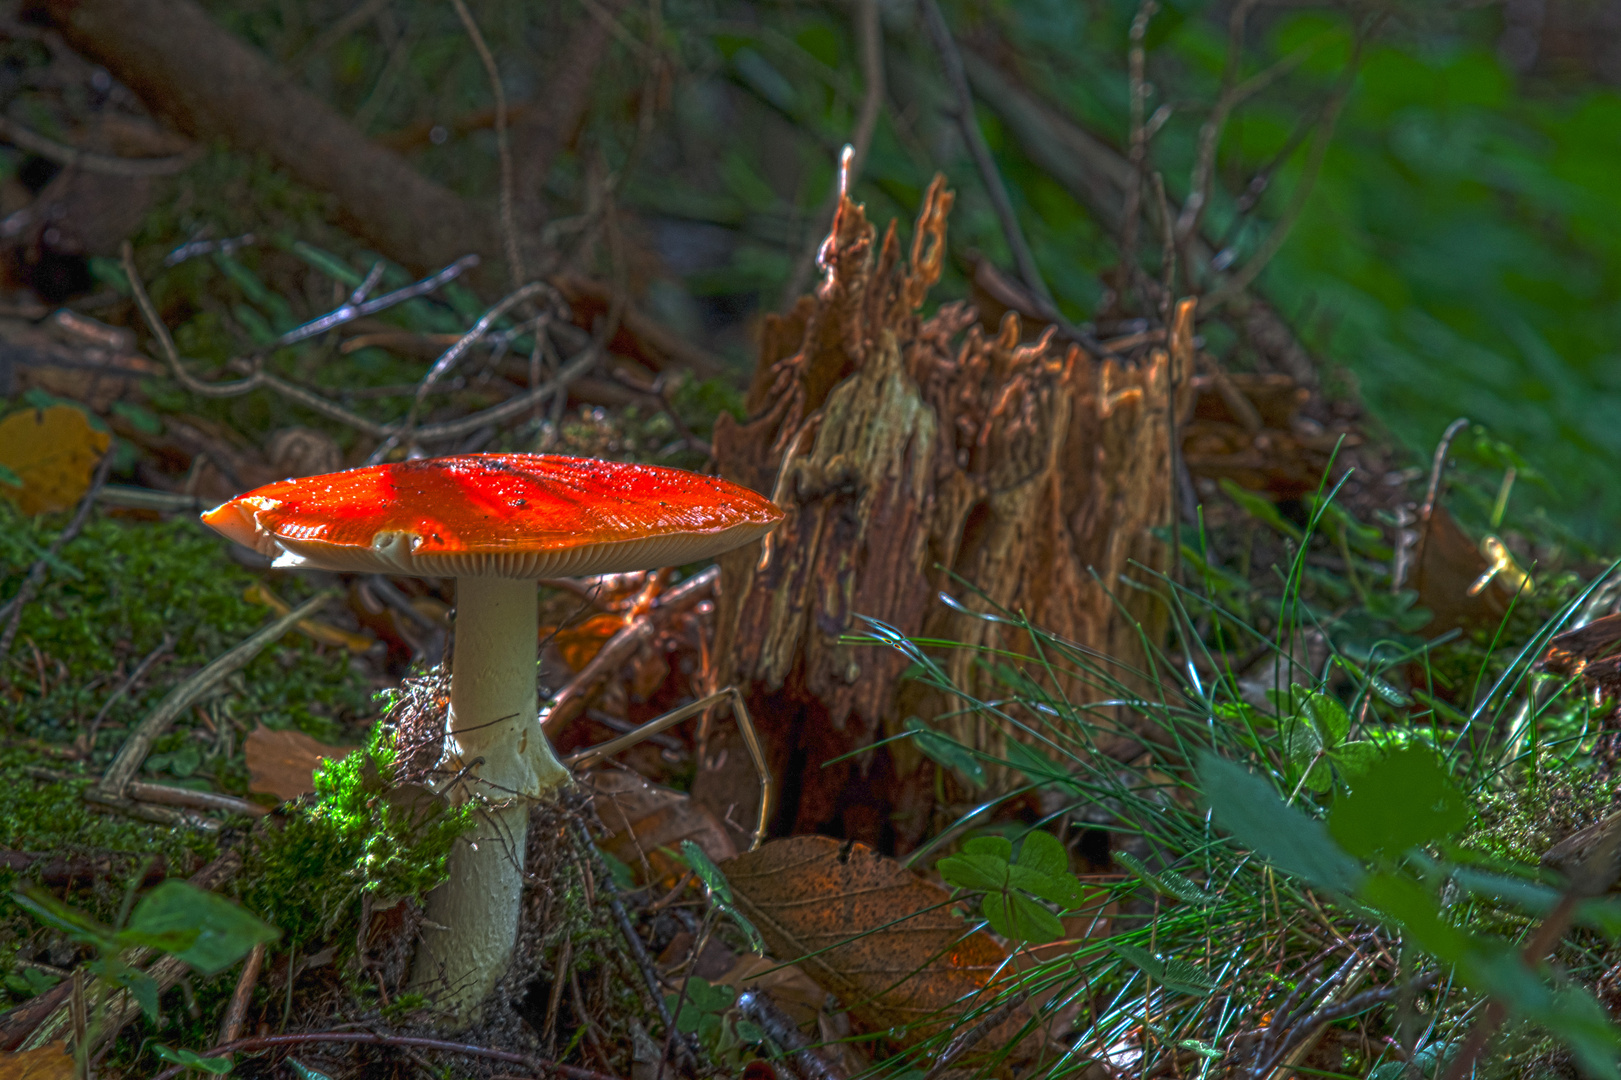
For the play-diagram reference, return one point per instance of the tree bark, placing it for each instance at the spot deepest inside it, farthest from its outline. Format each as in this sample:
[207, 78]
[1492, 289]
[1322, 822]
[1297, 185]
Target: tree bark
[905, 451]
[215, 88]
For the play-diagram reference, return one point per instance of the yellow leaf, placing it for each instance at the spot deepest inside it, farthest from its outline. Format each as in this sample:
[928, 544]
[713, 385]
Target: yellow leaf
[53, 452]
[51, 1062]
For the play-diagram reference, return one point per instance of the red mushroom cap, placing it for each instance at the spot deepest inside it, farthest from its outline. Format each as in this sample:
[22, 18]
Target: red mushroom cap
[520, 516]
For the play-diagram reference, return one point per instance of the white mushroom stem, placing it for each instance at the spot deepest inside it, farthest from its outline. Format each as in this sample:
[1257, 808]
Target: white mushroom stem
[473, 916]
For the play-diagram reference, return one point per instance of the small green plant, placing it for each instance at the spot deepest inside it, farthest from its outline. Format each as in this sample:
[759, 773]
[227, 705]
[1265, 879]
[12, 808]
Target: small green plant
[708, 1011]
[1373, 851]
[1013, 888]
[207, 932]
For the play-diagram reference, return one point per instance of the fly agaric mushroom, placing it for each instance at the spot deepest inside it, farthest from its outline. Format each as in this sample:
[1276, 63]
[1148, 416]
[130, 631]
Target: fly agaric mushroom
[492, 521]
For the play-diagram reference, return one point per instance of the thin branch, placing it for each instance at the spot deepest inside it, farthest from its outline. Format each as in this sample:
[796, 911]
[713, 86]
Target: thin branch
[37, 572]
[1274, 241]
[870, 32]
[951, 59]
[260, 379]
[1137, 66]
[387, 1038]
[105, 164]
[355, 309]
[127, 685]
[452, 355]
[503, 148]
[1204, 165]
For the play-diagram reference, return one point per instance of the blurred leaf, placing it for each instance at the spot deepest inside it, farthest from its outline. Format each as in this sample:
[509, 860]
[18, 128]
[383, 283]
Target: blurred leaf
[53, 913]
[1261, 509]
[51, 454]
[946, 751]
[1176, 975]
[222, 933]
[192, 1060]
[1247, 807]
[1404, 801]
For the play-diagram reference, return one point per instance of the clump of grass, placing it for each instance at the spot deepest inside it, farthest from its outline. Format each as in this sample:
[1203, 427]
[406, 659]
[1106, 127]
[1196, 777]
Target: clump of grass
[1211, 941]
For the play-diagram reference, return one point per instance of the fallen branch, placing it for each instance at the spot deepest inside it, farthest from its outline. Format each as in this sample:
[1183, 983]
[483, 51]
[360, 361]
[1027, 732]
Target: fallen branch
[236, 1014]
[25, 138]
[216, 88]
[116, 781]
[169, 795]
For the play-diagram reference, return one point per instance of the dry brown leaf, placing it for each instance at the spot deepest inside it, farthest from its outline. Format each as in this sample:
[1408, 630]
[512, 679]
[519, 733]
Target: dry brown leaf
[579, 643]
[50, 1062]
[645, 817]
[53, 452]
[871, 932]
[280, 762]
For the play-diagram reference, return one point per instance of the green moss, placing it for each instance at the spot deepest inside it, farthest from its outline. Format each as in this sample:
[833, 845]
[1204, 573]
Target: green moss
[117, 590]
[360, 833]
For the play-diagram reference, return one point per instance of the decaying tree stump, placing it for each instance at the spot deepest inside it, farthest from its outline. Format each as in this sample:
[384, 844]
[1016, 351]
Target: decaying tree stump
[904, 450]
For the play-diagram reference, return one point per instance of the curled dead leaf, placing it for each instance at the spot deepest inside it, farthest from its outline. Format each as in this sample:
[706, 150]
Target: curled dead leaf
[873, 933]
[50, 1062]
[281, 762]
[645, 818]
[51, 454]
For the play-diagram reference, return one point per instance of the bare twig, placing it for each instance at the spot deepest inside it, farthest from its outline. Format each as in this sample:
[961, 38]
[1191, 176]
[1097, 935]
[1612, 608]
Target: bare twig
[1281, 228]
[453, 355]
[1204, 162]
[127, 685]
[168, 795]
[870, 32]
[174, 817]
[633, 940]
[25, 138]
[569, 702]
[509, 227]
[358, 307]
[951, 60]
[759, 1008]
[116, 780]
[973, 1036]
[236, 1014]
[13, 610]
[453, 429]
[1137, 60]
[386, 1038]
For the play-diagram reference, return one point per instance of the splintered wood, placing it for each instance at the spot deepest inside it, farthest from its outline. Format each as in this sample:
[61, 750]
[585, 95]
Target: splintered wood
[905, 450]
